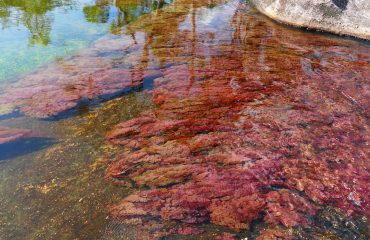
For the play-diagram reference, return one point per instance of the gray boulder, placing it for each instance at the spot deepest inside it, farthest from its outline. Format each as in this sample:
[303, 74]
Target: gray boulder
[345, 17]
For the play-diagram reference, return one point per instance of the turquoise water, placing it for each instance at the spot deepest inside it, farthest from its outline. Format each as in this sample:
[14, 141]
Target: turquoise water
[36, 32]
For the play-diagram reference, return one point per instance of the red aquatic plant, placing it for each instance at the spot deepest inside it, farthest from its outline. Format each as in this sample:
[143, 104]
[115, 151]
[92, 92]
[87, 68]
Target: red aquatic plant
[266, 135]
[83, 78]
[254, 123]
[10, 134]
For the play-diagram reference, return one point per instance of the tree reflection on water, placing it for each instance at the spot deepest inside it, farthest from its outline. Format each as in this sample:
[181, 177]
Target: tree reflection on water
[32, 14]
[120, 12]
[38, 15]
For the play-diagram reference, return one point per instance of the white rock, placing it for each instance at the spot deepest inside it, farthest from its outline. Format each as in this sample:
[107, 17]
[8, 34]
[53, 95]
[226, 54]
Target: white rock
[348, 17]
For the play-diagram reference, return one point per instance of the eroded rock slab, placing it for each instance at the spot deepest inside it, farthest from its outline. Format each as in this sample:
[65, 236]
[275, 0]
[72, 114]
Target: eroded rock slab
[349, 17]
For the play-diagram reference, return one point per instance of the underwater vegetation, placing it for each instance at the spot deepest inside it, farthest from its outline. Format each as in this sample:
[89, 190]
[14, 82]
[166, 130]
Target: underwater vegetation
[242, 136]
[63, 85]
[8, 135]
[17, 142]
[258, 131]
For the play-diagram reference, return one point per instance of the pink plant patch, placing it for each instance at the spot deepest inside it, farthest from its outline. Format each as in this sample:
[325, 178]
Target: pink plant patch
[270, 129]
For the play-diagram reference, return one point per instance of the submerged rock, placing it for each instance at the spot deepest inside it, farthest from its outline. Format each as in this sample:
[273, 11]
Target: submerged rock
[349, 17]
[254, 124]
[83, 78]
[8, 135]
[17, 142]
[115, 65]
[270, 135]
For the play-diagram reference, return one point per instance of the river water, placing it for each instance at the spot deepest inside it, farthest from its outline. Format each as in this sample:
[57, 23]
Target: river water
[179, 120]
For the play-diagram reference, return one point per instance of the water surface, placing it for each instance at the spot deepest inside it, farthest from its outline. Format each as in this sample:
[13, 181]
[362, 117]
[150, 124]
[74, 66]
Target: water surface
[186, 120]
[33, 33]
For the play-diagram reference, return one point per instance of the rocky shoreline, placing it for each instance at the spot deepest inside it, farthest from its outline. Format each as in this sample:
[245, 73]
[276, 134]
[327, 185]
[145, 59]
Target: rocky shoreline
[343, 17]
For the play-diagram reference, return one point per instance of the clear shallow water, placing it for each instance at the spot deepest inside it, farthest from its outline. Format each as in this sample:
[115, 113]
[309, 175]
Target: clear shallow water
[229, 126]
[33, 33]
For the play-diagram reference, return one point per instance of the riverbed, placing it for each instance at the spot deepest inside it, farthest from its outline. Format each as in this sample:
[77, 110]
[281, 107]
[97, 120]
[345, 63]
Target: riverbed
[181, 120]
